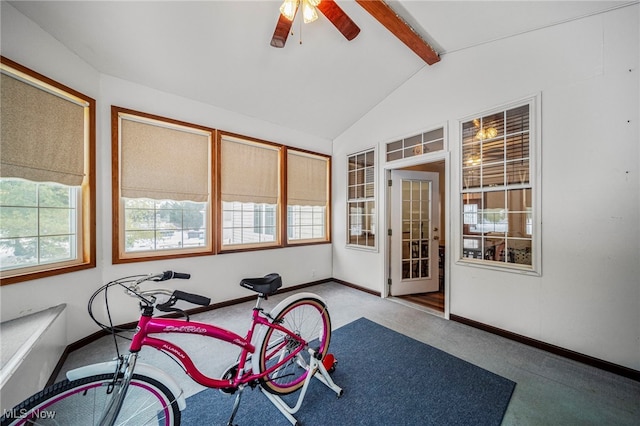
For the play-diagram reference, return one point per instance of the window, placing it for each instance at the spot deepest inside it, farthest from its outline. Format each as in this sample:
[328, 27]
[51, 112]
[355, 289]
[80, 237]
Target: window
[420, 144]
[497, 187]
[162, 187]
[47, 176]
[361, 202]
[250, 188]
[308, 184]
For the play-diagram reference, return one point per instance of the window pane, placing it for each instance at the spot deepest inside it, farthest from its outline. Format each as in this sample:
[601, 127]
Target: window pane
[394, 155]
[433, 135]
[471, 177]
[519, 252]
[492, 175]
[19, 222]
[152, 225]
[55, 221]
[32, 235]
[434, 146]
[518, 119]
[54, 196]
[19, 193]
[19, 252]
[138, 219]
[519, 200]
[469, 130]
[518, 173]
[518, 225]
[518, 146]
[394, 146]
[492, 126]
[306, 222]
[56, 249]
[493, 152]
[494, 200]
[248, 223]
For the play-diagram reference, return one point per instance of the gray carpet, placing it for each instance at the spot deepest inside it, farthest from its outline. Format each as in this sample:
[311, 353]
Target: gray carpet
[388, 379]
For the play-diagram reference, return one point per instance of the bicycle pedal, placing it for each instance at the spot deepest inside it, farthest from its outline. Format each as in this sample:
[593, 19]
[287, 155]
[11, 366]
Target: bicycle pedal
[329, 362]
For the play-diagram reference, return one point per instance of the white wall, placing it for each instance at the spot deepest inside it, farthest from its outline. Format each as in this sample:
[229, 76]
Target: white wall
[586, 74]
[213, 276]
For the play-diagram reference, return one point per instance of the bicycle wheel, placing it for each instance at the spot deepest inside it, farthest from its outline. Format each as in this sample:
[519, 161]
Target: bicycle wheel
[308, 318]
[81, 402]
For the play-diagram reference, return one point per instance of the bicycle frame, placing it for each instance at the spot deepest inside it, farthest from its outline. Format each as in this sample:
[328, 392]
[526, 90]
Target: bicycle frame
[148, 325]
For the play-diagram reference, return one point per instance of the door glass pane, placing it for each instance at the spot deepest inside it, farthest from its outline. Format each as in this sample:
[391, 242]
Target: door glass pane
[416, 203]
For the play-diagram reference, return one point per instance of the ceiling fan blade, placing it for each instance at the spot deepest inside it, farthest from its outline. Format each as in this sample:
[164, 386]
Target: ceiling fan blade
[336, 15]
[283, 28]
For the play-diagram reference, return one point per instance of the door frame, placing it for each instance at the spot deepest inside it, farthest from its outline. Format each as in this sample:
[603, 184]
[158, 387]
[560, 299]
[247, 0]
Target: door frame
[446, 202]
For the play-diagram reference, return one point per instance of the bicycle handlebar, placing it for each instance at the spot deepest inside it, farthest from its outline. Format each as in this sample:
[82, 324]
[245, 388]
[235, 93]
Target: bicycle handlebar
[175, 296]
[131, 285]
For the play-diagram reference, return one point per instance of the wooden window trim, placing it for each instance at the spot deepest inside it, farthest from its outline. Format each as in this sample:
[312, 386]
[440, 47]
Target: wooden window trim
[88, 191]
[328, 229]
[115, 192]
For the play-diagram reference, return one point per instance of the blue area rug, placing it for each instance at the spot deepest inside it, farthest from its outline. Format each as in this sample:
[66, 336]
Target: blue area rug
[388, 379]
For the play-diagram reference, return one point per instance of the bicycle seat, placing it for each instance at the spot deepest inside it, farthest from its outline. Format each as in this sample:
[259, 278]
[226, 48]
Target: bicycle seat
[266, 285]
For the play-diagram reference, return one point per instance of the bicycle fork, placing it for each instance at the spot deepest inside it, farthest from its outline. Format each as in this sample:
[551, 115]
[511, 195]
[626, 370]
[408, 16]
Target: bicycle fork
[114, 405]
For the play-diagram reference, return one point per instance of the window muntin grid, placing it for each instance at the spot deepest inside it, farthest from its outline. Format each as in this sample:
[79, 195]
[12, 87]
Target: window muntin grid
[497, 208]
[361, 203]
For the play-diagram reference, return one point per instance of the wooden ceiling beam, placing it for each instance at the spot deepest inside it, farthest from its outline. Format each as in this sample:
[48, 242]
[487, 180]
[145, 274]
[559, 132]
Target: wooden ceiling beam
[399, 28]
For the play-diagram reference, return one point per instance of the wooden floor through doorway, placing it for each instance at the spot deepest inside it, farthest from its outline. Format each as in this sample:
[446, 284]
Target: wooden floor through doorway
[433, 300]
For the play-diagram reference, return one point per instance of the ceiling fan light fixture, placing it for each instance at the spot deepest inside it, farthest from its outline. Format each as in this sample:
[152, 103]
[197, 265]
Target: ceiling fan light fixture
[289, 8]
[488, 133]
[309, 13]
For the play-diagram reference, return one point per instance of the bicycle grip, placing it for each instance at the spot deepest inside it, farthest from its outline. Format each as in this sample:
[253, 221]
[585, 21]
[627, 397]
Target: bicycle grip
[192, 298]
[169, 275]
[181, 275]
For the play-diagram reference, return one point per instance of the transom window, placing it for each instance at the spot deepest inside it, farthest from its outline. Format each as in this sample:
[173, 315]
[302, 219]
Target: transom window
[497, 188]
[47, 176]
[361, 202]
[419, 144]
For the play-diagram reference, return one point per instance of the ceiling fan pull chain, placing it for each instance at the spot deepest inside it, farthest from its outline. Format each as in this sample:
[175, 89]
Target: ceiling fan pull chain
[300, 32]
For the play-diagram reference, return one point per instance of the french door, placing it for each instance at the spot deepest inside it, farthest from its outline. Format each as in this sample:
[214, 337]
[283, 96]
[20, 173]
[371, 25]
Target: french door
[415, 220]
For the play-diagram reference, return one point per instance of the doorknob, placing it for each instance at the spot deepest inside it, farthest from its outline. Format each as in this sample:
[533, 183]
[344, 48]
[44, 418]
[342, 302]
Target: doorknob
[436, 238]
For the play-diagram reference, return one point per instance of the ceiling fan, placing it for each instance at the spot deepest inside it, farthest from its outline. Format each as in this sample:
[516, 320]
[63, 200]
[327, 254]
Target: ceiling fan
[328, 8]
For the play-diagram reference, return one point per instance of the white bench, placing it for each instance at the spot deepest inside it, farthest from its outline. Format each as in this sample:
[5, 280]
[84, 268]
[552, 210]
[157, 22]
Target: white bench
[30, 349]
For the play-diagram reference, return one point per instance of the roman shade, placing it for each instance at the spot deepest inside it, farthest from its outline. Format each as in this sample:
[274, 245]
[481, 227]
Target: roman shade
[43, 133]
[249, 171]
[307, 179]
[163, 162]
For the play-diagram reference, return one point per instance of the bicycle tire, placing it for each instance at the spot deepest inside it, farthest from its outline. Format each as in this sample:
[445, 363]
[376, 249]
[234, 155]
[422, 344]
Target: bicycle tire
[80, 402]
[309, 318]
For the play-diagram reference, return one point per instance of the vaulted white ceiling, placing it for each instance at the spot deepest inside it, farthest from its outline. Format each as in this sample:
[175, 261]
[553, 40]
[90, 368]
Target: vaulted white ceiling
[218, 52]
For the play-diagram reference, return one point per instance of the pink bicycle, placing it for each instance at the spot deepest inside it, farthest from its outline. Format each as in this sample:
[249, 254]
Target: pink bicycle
[280, 353]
